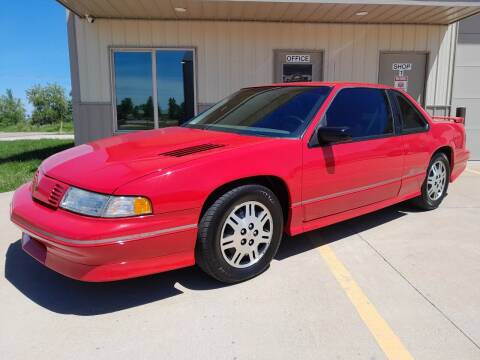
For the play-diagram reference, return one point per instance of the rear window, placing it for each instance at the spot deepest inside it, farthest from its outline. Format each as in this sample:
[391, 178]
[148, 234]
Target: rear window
[411, 120]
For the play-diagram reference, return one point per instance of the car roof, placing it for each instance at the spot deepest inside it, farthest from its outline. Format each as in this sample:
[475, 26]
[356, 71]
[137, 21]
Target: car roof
[328, 83]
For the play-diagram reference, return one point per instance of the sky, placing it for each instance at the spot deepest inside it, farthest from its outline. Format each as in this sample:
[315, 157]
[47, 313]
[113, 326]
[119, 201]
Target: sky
[34, 47]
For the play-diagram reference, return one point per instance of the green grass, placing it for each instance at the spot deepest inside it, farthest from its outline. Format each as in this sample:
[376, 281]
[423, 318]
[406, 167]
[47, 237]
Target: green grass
[67, 128]
[20, 159]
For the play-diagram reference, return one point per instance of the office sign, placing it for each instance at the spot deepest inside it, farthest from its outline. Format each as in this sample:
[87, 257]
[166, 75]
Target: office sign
[298, 59]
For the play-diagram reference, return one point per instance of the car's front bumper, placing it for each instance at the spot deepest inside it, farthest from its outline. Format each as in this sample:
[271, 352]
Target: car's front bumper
[93, 249]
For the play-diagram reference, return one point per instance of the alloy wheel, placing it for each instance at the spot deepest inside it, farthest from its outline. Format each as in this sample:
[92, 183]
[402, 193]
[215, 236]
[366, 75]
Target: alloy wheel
[246, 234]
[437, 178]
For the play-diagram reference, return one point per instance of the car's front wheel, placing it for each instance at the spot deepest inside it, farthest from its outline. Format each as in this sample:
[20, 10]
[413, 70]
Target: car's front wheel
[239, 233]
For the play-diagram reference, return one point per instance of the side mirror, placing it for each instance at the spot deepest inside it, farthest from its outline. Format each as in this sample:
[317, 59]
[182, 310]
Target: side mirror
[328, 135]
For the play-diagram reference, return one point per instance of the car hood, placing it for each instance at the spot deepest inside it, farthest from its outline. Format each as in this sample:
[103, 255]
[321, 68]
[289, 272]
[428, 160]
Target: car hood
[106, 164]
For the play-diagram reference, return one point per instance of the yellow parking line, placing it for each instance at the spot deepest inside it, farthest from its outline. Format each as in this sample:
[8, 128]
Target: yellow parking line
[473, 171]
[384, 335]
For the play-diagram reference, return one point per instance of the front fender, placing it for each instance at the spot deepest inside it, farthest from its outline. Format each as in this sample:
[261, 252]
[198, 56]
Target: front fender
[188, 185]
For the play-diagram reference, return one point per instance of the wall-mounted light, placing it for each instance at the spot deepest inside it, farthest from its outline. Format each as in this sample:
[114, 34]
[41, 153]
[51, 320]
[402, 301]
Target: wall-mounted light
[180, 9]
[361, 13]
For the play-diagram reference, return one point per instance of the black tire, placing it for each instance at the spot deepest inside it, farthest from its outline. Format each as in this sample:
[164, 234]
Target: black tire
[424, 201]
[208, 253]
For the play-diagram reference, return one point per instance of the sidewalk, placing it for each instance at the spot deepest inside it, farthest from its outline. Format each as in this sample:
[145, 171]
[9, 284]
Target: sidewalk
[8, 136]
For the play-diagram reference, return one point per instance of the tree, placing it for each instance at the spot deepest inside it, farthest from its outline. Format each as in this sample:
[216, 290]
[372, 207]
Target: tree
[124, 109]
[50, 104]
[148, 108]
[174, 110]
[12, 110]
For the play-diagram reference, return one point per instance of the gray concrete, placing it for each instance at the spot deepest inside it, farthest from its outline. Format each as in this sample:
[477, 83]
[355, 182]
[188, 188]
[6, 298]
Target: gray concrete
[420, 270]
[8, 136]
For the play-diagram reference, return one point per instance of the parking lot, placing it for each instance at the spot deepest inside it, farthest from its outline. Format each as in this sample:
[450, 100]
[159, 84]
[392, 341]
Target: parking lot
[396, 283]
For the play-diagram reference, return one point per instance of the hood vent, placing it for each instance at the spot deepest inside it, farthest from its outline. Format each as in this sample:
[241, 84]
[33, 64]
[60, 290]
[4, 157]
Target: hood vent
[191, 150]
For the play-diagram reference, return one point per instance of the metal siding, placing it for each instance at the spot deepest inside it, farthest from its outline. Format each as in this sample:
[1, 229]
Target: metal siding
[371, 54]
[359, 48]
[421, 39]
[104, 40]
[234, 54]
[433, 39]
[81, 49]
[442, 88]
[93, 62]
[347, 57]
[408, 37]
[466, 91]
[74, 73]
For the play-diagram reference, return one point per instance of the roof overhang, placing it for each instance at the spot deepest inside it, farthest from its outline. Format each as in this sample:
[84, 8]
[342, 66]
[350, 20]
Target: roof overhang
[326, 11]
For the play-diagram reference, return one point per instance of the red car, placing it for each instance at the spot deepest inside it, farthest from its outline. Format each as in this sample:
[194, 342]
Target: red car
[220, 190]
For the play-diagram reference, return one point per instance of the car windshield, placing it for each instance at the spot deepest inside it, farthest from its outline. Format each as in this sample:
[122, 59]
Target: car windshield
[275, 111]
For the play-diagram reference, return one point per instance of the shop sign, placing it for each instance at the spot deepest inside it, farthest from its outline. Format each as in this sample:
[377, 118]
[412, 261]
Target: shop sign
[401, 66]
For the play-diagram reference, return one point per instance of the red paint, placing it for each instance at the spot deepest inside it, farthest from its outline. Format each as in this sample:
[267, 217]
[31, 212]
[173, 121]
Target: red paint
[364, 175]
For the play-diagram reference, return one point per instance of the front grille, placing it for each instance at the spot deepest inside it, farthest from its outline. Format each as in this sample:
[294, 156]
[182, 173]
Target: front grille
[191, 150]
[56, 195]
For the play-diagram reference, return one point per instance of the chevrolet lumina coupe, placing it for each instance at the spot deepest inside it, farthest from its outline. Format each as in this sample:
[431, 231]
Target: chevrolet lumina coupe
[222, 189]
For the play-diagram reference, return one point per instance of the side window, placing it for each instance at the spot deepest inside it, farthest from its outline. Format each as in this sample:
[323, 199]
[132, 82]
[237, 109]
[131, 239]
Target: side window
[365, 111]
[411, 119]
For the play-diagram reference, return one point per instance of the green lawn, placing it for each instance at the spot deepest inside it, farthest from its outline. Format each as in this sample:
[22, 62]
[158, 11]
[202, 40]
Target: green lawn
[66, 128]
[20, 159]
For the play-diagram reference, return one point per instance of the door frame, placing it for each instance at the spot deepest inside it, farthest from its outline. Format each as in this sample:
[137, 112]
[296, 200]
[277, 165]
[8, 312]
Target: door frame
[312, 51]
[152, 49]
[420, 52]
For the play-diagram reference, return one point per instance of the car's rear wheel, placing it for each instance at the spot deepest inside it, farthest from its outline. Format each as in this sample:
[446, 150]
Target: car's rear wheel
[435, 185]
[239, 234]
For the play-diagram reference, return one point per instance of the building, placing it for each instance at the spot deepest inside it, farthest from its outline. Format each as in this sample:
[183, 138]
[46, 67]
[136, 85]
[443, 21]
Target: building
[147, 64]
[466, 88]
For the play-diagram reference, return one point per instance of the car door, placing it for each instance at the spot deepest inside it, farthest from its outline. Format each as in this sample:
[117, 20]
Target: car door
[413, 128]
[364, 170]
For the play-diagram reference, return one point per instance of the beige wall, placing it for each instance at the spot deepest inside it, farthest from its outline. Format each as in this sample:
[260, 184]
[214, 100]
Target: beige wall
[231, 55]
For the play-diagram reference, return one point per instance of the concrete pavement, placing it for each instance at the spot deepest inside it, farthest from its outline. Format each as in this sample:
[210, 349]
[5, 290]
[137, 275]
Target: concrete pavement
[419, 270]
[9, 136]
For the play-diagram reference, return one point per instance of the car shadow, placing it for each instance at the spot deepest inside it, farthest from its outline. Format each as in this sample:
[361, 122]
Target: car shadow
[292, 246]
[37, 154]
[63, 295]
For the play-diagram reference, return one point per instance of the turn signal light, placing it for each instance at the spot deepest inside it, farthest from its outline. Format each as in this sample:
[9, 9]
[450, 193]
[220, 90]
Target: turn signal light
[142, 206]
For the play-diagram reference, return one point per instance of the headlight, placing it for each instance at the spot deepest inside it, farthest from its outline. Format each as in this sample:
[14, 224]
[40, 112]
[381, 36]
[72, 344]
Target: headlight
[93, 204]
